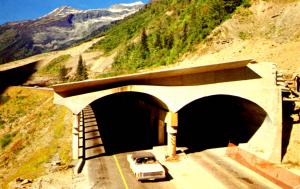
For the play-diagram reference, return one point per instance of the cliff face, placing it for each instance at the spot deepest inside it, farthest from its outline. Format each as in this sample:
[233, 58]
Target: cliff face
[59, 29]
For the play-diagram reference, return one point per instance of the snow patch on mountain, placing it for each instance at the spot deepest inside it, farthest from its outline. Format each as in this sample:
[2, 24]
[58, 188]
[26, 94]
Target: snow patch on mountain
[62, 11]
[61, 28]
[133, 4]
[67, 10]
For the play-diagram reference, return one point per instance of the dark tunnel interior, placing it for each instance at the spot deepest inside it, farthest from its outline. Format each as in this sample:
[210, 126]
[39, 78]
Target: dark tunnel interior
[215, 121]
[127, 121]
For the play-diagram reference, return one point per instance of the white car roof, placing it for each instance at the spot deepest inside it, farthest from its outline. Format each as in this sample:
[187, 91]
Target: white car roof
[137, 155]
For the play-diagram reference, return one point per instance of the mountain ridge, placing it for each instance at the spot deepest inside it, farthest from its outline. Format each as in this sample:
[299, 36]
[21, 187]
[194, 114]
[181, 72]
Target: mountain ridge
[58, 29]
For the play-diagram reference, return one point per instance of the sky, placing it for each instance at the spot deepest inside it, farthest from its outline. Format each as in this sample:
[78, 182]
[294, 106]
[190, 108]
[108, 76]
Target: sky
[16, 10]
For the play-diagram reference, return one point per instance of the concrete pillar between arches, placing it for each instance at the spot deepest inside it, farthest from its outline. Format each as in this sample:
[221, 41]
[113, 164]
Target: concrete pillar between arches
[161, 132]
[172, 124]
[75, 136]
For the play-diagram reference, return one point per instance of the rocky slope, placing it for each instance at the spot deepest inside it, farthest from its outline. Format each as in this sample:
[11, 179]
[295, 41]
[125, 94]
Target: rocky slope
[59, 29]
[267, 31]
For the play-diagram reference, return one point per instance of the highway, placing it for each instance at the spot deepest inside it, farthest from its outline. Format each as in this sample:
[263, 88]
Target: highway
[114, 172]
[105, 170]
[206, 169]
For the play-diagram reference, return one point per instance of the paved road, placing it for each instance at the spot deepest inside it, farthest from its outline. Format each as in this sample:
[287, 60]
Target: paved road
[228, 172]
[206, 169]
[114, 172]
[108, 171]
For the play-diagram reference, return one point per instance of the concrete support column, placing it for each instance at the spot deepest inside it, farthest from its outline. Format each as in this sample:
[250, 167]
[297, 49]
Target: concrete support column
[161, 132]
[75, 134]
[172, 124]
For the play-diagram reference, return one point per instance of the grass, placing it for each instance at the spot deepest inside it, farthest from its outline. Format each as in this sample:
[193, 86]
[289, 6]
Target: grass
[18, 104]
[55, 65]
[39, 131]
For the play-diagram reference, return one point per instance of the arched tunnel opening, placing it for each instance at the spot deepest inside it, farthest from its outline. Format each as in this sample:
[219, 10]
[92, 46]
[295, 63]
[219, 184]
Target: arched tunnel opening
[130, 121]
[216, 121]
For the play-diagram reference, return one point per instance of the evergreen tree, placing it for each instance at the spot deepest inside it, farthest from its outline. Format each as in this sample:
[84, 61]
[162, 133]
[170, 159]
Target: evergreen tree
[63, 74]
[157, 42]
[81, 72]
[169, 41]
[167, 30]
[144, 44]
[184, 32]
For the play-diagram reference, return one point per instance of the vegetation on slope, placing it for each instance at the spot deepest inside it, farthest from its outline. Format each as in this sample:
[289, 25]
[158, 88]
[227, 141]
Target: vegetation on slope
[163, 31]
[58, 71]
[81, 71]
[33, 131]
[54, 66]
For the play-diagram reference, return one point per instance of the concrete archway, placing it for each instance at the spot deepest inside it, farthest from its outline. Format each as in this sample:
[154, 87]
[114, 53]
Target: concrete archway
[214, 121]
[130, 121]
[173, 89]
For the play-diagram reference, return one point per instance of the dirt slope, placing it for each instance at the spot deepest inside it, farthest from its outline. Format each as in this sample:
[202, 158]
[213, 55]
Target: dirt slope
[268, 31]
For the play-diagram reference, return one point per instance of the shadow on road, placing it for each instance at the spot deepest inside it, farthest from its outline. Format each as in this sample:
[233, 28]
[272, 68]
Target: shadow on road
[90, 140]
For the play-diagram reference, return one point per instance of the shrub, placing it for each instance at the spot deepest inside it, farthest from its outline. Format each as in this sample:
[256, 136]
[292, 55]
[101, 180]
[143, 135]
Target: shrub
[1, 123]
[4, 99]
[5, 140]
[244, 35]
[63, 74]
[246, 3]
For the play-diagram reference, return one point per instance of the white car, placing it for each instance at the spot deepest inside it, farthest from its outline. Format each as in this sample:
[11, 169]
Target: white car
[145, 166]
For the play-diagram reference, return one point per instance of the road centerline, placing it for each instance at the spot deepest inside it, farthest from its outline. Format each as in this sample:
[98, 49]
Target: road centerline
[121, 172]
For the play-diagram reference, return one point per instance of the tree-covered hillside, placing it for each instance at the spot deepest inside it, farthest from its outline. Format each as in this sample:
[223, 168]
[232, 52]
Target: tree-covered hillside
[163, 31]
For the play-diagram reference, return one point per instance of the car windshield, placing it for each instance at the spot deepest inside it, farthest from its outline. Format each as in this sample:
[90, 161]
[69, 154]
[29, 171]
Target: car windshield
[145, 160]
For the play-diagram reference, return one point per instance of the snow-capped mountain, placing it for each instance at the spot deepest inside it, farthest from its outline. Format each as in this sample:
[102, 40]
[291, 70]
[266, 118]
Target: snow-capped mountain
[62, 11]
[58, 29]
[128, 6]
